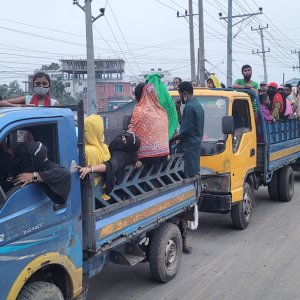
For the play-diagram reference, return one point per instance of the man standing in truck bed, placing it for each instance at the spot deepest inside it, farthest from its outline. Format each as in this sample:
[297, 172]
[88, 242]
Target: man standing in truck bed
[190, 136]
[191, 130]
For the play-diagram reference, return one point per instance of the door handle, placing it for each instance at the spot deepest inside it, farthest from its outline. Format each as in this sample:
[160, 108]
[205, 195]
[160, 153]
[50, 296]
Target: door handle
[252, 152]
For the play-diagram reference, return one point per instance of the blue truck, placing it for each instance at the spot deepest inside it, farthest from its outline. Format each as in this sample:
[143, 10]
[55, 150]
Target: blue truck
[49, 251]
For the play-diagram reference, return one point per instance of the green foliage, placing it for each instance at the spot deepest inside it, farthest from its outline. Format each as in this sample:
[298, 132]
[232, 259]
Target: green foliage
[58, 92]
[11, 91]
[3, 91]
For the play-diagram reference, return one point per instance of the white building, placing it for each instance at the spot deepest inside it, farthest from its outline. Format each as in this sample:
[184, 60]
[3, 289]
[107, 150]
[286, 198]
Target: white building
[166, 77]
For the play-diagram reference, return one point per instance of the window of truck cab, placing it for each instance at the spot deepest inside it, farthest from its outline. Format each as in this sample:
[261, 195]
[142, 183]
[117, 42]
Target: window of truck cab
[215, 107]
[44, 133]
[241, 121]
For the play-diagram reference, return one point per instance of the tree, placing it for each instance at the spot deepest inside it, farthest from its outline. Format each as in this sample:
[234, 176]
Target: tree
[14, 90]
[58, 92]
[3, 91]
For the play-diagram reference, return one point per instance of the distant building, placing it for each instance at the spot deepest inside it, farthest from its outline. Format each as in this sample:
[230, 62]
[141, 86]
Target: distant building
[166, 77]
[111, 91]
[293, 81]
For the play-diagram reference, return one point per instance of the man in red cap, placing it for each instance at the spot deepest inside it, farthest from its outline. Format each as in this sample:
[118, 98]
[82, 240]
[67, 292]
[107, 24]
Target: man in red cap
[277, 105]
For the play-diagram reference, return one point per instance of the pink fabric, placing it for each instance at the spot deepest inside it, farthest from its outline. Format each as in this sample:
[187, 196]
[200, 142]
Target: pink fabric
[149, 122]
[288, 108]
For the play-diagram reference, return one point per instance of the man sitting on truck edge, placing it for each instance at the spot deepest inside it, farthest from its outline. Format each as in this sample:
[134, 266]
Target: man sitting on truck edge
[190, 136]
[246, 82]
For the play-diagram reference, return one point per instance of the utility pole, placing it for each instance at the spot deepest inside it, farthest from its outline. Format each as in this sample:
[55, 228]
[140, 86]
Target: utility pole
[230, 25]
[201, 57]
[192, 45]
[91, 77]
[263, 50]
[295, 52]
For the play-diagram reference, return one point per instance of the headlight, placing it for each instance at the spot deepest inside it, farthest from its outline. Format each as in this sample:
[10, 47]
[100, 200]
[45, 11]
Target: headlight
[216, 183]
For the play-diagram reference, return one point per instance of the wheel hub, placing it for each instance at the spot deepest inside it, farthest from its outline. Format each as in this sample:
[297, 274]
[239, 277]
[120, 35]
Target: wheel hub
[247, 206]
[171, 253]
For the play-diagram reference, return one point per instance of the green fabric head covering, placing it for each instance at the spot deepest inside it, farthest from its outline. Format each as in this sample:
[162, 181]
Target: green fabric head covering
[165, 100]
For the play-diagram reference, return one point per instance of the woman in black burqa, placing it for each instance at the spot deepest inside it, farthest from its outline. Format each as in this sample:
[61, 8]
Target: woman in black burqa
[123, 150]
[30, 164]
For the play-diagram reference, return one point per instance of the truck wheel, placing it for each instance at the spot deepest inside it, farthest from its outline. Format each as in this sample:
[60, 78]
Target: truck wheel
[273, 187]
[165, 252]
[286, 184]
[40, 290]
[241, 212]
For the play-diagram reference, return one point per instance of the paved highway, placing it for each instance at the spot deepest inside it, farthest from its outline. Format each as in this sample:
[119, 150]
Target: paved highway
[261, 262]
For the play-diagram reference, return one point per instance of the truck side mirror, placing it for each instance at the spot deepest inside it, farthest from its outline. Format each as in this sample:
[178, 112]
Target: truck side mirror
[227, 125]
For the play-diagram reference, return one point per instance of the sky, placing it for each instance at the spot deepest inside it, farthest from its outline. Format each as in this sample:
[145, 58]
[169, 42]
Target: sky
[147, 34]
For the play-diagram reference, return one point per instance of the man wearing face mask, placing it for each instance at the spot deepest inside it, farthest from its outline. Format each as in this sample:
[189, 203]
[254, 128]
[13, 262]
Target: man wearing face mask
[41, 85]
[190, 136]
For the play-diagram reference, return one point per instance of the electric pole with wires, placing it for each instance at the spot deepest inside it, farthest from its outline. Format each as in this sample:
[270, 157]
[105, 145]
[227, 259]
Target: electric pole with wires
[296, 52]
[230, 25]
[192, 42]
[91, 77]
[263, 52]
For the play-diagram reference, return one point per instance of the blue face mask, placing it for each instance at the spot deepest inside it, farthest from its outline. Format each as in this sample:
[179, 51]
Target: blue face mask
[41, 91]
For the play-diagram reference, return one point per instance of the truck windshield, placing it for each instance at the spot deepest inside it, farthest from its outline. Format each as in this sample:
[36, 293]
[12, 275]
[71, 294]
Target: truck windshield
[214, 109]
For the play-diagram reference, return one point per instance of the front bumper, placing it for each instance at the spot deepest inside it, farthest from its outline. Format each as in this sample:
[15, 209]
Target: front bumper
[215, 203]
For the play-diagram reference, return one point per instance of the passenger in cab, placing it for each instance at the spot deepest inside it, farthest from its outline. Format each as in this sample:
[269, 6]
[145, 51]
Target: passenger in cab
[246, 82]
[213, 82]
[30, 164]
[41, 86]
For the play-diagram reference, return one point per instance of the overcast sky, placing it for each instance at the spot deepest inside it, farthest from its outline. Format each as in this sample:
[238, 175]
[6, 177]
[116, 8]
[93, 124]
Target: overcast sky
[147, 34]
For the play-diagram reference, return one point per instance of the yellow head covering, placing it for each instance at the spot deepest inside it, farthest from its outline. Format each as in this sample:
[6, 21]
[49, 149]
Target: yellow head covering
[95, 150]
[216, 81]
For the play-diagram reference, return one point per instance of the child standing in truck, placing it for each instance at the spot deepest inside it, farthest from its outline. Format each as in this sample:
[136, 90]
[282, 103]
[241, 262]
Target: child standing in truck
[264, 103]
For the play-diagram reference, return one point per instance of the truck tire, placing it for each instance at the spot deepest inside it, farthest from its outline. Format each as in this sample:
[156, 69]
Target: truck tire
[165, 252]
[273, 187]
[286, 183]
[242, 211]
[40, 290]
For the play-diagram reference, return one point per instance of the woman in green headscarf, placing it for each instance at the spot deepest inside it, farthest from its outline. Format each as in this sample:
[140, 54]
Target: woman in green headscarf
[165, 100]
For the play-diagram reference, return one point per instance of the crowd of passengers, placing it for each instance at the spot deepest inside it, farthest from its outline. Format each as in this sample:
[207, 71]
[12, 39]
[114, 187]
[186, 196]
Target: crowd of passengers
[152, 130]
[276, 101]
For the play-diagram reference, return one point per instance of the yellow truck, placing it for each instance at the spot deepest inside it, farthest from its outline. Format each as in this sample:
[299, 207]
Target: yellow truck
[241, 151]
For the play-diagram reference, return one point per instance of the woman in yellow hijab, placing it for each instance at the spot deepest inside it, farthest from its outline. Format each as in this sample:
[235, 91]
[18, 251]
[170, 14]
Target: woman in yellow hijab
[213, 82]
[96, 151]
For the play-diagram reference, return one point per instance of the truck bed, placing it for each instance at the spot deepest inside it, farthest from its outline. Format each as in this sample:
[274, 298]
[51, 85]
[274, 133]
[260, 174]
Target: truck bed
[138, 204]
[281, 145]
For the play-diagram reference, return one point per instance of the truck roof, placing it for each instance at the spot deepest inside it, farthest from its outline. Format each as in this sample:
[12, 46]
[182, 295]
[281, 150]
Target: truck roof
[17, 113]
[214, 92]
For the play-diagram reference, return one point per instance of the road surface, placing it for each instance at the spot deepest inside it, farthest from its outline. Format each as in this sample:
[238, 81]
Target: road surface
[261, 262]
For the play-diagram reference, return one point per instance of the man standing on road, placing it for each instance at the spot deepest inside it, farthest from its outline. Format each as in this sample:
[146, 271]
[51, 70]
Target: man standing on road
[190, 136]
[246, 82]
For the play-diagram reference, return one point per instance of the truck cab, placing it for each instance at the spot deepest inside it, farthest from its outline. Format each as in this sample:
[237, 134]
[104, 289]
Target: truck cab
[50, 250]
[240, 152]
